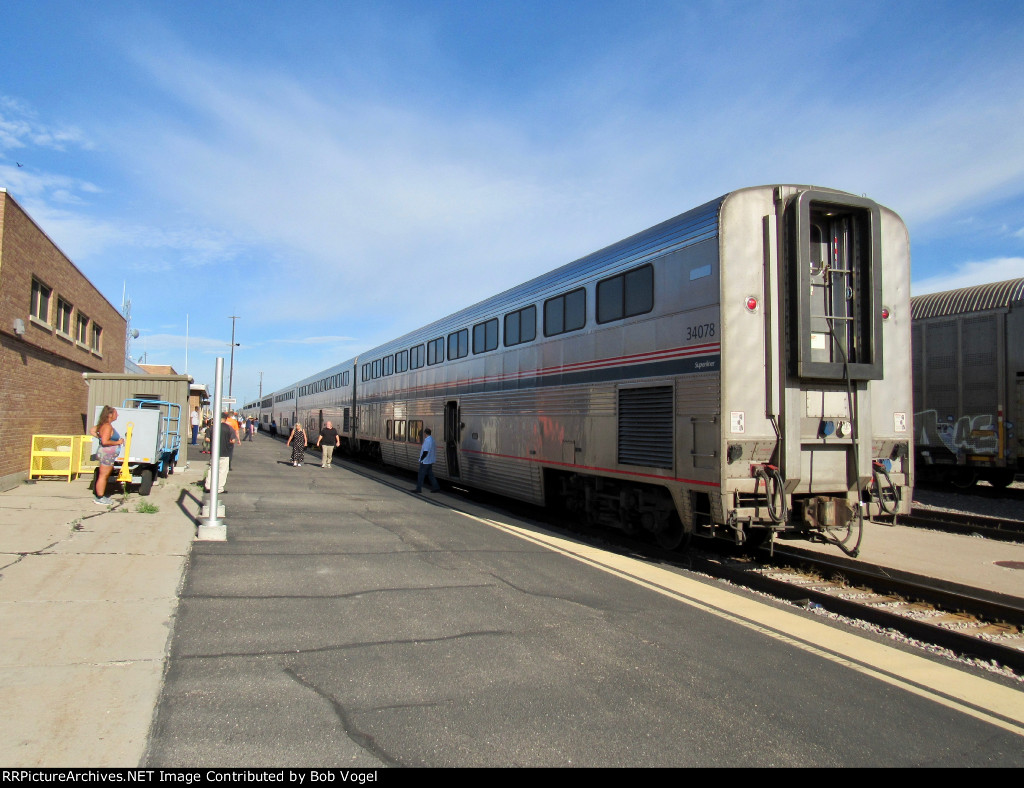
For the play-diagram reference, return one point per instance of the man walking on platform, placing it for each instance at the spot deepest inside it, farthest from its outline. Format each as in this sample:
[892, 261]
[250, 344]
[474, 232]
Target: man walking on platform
[427, 457]
[228, 439]
[328, 441]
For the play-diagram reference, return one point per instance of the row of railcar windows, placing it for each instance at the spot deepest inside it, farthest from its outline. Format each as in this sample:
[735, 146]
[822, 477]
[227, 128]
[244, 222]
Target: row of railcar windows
[325, 384]
[396, 430]
[624, 295]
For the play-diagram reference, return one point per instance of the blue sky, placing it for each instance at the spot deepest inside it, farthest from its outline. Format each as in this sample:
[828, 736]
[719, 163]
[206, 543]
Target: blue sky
[339, 173]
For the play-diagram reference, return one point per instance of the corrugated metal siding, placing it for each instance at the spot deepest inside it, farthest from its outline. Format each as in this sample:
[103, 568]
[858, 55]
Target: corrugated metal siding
[980, 370]
[997, 295]
[514, 477]
[943, 372]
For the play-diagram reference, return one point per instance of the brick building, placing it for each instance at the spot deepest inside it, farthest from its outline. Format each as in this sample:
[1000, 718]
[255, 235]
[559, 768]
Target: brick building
[54, 326]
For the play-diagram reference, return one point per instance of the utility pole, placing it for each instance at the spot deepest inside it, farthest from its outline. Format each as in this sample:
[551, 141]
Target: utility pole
[231, 373]
[261, 385]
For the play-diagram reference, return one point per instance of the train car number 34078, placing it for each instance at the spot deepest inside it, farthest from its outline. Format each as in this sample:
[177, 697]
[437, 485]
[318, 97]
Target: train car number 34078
[700, 331]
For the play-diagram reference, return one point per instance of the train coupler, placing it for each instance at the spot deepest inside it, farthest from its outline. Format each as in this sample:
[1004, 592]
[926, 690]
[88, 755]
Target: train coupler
[824, 513]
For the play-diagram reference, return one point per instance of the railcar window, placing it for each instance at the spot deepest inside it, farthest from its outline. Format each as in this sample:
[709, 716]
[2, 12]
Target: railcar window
[376, 368]
[389, 365]
[40, 306]
[485, 336]
[458, 344]
[565, 313]
[415, 432]
[400, 429]
[521, 326]
[401, 361]
[435, 351]
[626, 295]
[366, 371]
[416, 357]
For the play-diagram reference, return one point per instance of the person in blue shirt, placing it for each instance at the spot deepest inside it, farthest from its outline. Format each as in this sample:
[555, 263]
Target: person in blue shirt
[427, 457]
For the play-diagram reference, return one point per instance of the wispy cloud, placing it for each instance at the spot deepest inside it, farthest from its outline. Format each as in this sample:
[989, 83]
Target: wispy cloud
[313, 340]
[971, 274]
[21, 128]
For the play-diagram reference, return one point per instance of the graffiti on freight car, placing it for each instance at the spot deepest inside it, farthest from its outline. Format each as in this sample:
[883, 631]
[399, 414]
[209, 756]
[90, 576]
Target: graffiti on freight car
[969, 435]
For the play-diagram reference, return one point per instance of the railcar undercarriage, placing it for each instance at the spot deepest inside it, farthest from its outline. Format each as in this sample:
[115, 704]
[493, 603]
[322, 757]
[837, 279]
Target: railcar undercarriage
[630, 507]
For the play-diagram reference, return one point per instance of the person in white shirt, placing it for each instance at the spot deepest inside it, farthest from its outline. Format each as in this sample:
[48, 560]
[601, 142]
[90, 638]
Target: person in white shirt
[427, 457]
[195, 425]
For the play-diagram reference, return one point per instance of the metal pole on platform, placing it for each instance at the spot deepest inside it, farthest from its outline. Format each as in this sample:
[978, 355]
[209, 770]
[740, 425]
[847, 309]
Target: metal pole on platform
[213, 530]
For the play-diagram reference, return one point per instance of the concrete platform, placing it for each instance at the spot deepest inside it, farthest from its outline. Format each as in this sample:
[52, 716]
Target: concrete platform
[87, 601]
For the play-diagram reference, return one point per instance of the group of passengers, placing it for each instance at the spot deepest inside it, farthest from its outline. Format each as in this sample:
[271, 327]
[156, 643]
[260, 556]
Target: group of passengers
[245, 429]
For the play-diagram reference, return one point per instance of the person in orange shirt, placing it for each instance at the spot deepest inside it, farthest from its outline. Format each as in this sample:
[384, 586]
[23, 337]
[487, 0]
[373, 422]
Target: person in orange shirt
[232, 421]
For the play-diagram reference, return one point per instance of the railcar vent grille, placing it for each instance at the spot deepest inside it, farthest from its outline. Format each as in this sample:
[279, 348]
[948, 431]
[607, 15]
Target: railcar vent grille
[645, 427]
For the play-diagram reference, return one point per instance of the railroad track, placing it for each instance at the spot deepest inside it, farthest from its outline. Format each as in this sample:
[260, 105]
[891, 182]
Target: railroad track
[1001, 528]
[991, 630]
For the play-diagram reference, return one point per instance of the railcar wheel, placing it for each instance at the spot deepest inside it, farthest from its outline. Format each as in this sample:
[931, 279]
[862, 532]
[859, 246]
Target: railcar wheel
[963, 479]
[754, 539]
[1002, 480]
[672, 536]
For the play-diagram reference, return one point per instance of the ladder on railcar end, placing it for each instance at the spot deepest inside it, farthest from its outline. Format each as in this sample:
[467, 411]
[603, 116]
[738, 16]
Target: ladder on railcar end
[836, 283]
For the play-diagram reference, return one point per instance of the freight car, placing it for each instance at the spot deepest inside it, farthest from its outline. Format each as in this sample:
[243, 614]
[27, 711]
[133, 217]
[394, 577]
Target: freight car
[741, 370]
[968, 361]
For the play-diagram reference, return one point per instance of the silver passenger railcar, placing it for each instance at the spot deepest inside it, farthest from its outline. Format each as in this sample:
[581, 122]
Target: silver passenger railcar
[969, 383]
[740, 370]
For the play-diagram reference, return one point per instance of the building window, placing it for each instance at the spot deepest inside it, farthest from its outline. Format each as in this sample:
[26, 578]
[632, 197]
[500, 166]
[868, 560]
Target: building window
[565, 313]
[64, 310]
[40, 306]
[416, 357]
[521, 326]
[485, 336]
[82, 329]
[435, 351]
[626, 295]
[97, 339]
[458, 344]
